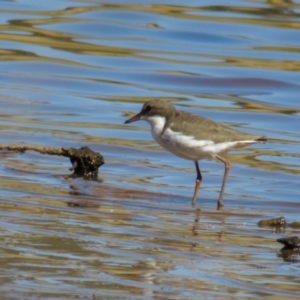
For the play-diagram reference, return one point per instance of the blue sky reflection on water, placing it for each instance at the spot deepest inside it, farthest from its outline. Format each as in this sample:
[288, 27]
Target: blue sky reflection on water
[71, 73]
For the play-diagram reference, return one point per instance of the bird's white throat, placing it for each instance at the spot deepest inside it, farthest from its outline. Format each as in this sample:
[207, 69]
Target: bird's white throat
[157, 124]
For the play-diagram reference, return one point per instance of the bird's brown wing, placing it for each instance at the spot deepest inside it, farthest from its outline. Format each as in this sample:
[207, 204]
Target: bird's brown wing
[205, 129]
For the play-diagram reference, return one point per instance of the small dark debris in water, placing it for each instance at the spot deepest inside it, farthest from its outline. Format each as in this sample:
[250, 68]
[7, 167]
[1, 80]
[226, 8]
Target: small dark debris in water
[291, 249]
[83, 204]
[295, 225]
[277, 222]
[85, 162]
[290, 243]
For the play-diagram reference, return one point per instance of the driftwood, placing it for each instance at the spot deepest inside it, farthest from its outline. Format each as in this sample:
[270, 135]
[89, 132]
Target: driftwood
[85, 162]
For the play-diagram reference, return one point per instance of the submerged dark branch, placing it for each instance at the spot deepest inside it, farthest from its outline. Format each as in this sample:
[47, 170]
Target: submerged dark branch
[85, 162]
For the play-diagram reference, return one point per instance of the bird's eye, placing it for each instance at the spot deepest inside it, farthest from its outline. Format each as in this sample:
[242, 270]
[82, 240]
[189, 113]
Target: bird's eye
[147, 108]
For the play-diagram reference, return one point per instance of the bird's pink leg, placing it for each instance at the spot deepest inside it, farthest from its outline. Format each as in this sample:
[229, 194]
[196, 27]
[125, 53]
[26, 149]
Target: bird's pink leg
[227, 168]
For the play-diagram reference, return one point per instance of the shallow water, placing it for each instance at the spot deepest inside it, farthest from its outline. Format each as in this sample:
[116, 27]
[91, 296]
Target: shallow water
[71, 73]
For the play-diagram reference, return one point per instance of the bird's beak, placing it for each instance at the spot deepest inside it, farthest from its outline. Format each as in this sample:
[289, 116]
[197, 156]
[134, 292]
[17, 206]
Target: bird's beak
[137, 117]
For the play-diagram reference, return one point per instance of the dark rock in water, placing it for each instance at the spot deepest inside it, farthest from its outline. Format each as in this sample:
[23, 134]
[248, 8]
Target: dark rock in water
[277, 222]
[295, 225]
[83, 204]
[290, 243]
[85, 162]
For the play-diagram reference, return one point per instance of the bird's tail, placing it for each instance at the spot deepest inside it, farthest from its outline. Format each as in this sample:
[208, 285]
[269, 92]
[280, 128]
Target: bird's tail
[262, 139]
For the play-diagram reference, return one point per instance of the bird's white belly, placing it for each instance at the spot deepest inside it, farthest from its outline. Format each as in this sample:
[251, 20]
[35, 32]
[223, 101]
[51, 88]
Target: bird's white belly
[185, 146]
